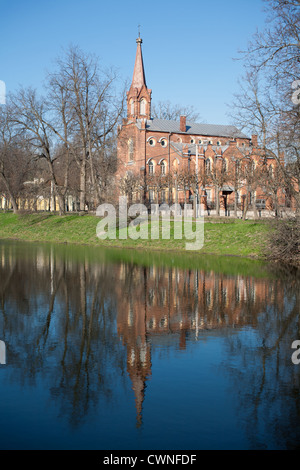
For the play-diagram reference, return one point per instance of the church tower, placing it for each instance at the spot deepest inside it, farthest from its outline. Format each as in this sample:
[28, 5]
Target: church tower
[139, 96]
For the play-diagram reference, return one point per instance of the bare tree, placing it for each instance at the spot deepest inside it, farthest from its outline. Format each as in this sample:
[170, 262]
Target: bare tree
[268, 101]
[87, 109]
[29, 113]
[218, 175]
[129, 185]
[250, 175]
[184, 180]
[166, 110]
[15, 160]
[253, 107]
[271, 178]
[158, 183]
[5, 160]
[276, 48]
[287, 139]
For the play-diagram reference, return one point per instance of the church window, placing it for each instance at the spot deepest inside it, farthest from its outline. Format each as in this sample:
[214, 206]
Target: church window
[192, 141]
[207, 165]
[224, 165]
[143, 106]
[151, 167]
[151, 194]
[151, 142]
[163, 142]
[163, 167]
[130, 150]
[131, 107]
[271, 171]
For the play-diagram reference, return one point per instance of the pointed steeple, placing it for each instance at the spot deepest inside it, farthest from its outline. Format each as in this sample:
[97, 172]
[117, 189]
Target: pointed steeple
[139, 96]
[138, 79]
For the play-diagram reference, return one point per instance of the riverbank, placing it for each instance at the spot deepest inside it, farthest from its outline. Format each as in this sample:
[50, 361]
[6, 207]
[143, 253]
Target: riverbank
[228, 237]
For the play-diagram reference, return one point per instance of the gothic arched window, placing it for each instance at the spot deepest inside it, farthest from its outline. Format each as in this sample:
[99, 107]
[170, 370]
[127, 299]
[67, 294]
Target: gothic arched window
[130, 150]
[131, 107]
[224, 165]
[271, 171]
[151, 167]
[143, 106]
[207, 165]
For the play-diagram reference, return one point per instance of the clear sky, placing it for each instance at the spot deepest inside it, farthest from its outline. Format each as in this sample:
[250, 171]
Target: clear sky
[188, 46]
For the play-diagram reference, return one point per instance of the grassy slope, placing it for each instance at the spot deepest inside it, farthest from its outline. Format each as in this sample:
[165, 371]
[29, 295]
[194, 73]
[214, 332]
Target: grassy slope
[235, 237]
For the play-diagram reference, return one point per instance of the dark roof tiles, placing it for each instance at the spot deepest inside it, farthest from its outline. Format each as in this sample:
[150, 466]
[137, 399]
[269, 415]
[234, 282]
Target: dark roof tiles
[193, 128]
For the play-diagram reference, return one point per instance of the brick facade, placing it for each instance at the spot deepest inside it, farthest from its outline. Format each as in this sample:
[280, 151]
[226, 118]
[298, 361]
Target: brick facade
[153, 149]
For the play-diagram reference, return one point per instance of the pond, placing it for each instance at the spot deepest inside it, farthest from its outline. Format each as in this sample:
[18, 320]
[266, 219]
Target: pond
[109, 349]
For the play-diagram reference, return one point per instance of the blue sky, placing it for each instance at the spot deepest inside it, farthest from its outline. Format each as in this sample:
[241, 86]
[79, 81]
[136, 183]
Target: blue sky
[188, 46]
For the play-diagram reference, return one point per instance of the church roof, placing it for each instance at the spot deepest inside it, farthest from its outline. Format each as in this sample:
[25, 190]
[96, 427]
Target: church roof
[193, 128]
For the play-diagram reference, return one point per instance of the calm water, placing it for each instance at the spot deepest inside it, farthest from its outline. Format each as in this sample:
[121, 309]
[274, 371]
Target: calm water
[111, 350]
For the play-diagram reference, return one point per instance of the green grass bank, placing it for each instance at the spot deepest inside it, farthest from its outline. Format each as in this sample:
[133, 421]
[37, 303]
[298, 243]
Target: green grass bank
[227, 237]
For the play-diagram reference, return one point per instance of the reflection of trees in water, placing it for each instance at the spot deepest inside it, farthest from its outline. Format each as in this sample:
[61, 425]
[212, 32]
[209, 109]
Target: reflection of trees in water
[58, 319]
[62, 320]
[263, 375]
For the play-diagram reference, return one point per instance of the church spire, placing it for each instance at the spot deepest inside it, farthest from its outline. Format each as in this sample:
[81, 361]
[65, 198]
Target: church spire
[138, 79]
[139, 96]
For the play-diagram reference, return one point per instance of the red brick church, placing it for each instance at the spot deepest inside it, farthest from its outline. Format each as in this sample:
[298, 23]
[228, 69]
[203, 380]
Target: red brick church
[175, 161]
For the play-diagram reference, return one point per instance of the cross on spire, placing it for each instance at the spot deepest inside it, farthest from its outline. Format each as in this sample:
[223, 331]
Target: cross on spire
[139, 39]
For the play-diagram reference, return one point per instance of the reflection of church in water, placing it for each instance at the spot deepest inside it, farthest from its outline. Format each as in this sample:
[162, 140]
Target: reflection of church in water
[172, 306]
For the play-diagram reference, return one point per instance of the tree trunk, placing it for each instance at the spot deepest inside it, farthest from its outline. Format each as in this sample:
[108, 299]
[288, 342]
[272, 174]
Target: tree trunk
[235, 204]
[217, 201]
[56, 191]
[254, 208]
[14, 204]
[82, 198]
[61, 204]
[12, 198]
[276, 207]
[245, 208]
